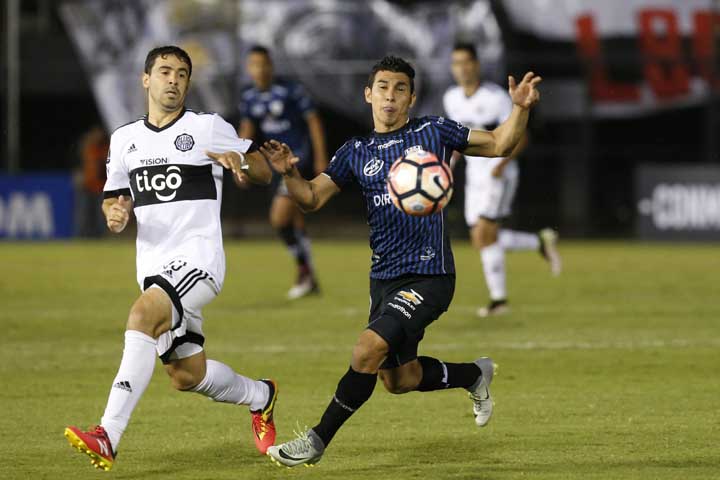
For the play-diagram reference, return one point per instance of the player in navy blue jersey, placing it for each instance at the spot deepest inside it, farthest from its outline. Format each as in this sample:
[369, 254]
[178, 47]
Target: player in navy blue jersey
[412, 280]
[282, 110]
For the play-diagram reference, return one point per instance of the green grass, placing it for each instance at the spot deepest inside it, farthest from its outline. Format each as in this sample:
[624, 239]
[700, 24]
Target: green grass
[609, 372]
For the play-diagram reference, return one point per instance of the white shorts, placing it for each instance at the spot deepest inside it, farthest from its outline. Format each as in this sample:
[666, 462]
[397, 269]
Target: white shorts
[487, 196]
[190, 289]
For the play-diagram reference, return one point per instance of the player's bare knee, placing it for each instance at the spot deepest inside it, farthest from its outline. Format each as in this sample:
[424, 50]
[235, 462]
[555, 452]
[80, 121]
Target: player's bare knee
[183, 380]
[394, 385]
[369, 352]
[151, 313]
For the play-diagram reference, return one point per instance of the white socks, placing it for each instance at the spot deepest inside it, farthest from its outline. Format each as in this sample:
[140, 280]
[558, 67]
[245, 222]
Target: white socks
[493, 261]
[222, 384]
[133, 377]
[515, 240]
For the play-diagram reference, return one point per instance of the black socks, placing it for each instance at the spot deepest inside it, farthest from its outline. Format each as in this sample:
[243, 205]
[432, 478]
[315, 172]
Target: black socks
[353, 390]
[439, 376]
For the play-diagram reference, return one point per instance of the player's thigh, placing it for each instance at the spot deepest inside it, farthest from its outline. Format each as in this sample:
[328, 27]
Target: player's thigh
[484, 232]
[403, 378]
[151, 313]
[282, 211]
[189, 288]
[186, 373]
[408, 306]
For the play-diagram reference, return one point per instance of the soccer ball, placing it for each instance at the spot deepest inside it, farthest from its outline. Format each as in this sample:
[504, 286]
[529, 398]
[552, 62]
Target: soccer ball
[419, 184]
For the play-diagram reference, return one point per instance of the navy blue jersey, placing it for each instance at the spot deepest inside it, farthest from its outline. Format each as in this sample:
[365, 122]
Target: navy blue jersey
[279, 113]
[400, 243]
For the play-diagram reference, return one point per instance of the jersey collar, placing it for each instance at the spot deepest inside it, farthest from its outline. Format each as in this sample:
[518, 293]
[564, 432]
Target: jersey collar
[160, 129]
[392, 132]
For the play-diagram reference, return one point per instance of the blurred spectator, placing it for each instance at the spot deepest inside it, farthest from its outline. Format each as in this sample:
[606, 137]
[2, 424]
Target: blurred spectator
[93, 150]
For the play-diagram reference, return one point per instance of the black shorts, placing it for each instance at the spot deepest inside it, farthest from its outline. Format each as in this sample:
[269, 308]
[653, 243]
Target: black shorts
[402, 308]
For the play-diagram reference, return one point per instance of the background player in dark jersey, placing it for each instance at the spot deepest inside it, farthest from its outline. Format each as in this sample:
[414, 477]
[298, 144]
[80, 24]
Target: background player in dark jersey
[282, 110]
[413, 275]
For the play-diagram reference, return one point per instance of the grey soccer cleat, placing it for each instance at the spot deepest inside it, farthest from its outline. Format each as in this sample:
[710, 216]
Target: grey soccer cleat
[306, 449]
[548, 249]
[480, 392]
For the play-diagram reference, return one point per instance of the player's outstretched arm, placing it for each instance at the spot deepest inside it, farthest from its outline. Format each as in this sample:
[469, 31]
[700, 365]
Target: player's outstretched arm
[501, 141]
[117, 212]
[247, 165]
[309, 195]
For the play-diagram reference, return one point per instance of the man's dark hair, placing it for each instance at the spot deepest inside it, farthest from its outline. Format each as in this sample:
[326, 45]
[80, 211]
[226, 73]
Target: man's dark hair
[259, 49]
[164, 52]
[390, 63]
[467, 47]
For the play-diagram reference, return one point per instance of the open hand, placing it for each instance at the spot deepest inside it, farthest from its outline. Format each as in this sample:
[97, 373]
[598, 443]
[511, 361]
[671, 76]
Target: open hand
[231, 161]
[524, 94]
[281, 157]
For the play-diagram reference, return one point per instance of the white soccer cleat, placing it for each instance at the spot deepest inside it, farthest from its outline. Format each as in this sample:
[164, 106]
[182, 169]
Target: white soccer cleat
[306, 285]
[307, 449]
[548, 249]
[494, 308]
[480, 392]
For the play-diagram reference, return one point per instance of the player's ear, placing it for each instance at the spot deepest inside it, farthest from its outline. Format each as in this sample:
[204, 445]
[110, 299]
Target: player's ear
[368, 95]
[145, 81]
[413, 97]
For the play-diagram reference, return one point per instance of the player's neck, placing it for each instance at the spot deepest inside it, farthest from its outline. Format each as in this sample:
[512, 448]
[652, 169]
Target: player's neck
[469, 89]
[381, 127]
[158, 117]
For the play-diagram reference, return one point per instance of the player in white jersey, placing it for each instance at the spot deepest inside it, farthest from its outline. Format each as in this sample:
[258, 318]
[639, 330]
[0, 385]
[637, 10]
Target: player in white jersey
[490, 183]
[163, 168]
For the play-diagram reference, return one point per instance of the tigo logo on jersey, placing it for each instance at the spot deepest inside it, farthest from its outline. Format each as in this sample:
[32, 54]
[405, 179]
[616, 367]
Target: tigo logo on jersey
[373, 167]
[184, 142]
[160, 182]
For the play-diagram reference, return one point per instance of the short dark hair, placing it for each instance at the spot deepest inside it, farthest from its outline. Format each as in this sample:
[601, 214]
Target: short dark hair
[259, 49]
[163, 52]
[467, 47]
[390, 63]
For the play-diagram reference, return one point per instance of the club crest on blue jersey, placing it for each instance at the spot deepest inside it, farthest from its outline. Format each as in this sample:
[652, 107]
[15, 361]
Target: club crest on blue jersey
[184, 142]
[373, 167]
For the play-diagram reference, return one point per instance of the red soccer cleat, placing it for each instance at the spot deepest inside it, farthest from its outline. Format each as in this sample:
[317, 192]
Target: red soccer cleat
[95, 443]
[263, 426]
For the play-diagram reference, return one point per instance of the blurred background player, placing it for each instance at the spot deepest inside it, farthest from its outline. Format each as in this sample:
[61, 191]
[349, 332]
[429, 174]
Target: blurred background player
[93, 151]
[162, 167]
[282, 110]
[490, 183]
[412, 278]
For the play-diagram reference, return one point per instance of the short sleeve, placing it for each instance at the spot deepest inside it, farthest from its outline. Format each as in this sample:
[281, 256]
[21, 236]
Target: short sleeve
[225, 138]
[452, 133]
[118, 176]
[339, 169]
[303, 101]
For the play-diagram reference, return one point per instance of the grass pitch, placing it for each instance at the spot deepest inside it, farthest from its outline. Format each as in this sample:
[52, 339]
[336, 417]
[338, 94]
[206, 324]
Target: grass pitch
[608, 372]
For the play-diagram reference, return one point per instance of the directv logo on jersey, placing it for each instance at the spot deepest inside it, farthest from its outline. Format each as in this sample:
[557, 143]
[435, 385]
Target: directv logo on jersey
[373, 167]
[161, 184]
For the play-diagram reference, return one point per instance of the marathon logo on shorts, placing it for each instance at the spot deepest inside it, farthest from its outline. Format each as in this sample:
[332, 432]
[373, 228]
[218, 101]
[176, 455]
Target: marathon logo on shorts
[172, 183]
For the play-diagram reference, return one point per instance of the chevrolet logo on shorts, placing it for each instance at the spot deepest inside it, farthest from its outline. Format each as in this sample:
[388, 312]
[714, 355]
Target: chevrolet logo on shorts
[411, 296]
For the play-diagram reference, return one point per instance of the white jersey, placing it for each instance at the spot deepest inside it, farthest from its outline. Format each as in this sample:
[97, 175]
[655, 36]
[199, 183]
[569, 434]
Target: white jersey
[485, 109]
[176, 188]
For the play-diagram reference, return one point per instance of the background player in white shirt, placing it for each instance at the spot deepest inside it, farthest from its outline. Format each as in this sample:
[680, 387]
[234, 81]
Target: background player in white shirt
[163, 168]
[490, 182]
